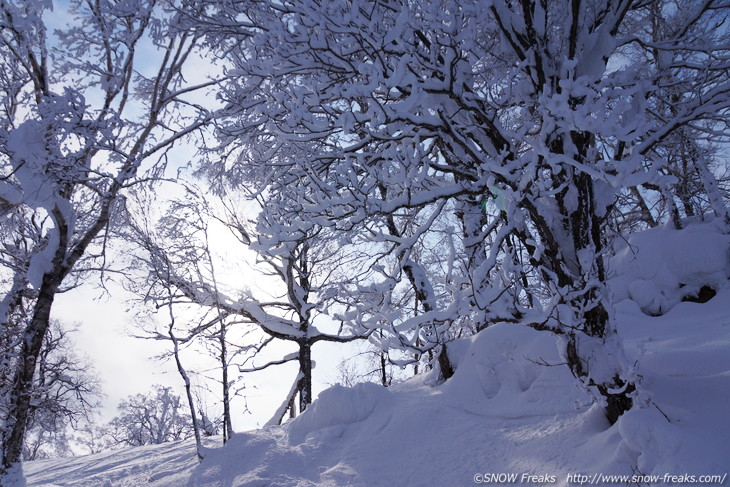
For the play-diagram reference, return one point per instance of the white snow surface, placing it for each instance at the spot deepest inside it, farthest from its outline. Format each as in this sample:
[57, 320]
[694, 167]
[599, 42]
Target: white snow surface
[511, 406]
[659, 267]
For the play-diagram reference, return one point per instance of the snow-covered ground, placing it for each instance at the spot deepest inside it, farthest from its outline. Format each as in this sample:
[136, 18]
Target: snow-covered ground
[510, 409]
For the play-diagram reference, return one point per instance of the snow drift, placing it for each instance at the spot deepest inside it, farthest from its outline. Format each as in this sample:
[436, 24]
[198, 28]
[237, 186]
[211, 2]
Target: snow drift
[659, 268]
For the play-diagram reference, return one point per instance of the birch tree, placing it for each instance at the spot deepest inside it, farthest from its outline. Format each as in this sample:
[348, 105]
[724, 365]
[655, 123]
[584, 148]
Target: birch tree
[85, 110]
[300, 265]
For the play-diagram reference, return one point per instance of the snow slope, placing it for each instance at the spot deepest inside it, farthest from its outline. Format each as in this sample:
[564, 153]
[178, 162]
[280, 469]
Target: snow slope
[511, 407]
[166, 464]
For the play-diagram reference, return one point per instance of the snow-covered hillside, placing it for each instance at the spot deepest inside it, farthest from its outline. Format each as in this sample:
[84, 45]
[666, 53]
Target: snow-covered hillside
[511, 408]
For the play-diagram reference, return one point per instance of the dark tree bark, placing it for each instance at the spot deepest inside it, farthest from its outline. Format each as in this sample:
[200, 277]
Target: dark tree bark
[383, 369]
[33, 337]
[305, 381]
[34, 334]
[227, 423]
[586, 228]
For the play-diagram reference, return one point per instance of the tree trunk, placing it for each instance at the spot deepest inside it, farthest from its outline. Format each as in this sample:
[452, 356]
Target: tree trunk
[305, 381]
[445, 367]
[33, 338]
[188, 392]
[595, 321]
[20, 395]
[643, 208]
[227, 423]
[714, 194]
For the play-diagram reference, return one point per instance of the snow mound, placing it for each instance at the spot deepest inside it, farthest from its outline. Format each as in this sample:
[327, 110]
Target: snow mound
[338, 406]
[683, 359]
[513, 371]
[661, 267]
[504, 410]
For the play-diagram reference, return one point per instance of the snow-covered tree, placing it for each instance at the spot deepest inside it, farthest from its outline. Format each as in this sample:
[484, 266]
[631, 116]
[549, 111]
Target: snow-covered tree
[301, 265]
[150, 419]
[83, 108]
[542, 112]
[94, 438]
[66, 393]
[177, 242]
